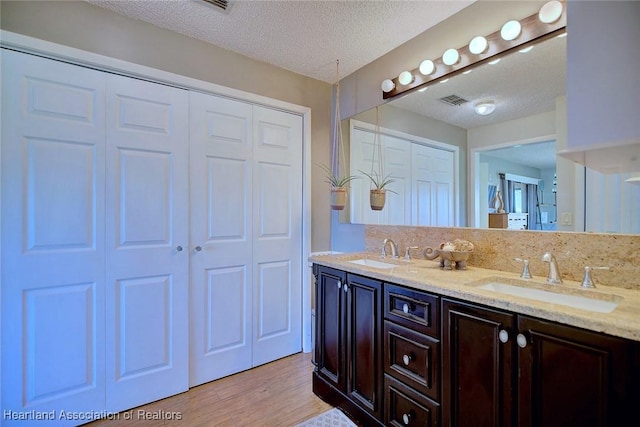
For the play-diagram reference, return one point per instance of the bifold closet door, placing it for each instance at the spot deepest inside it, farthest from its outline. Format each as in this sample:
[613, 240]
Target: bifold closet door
[221, 237]
[277, 234]
[147, 287]
[53, 271]
[246, 231]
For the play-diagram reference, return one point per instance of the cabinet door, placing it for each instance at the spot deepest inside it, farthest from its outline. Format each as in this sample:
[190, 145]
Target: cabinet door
[569, 376]
[363, 345]
[477, 366]
[330, 332]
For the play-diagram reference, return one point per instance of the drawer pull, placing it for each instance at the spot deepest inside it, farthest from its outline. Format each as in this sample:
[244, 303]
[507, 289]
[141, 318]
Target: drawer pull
[406, 308]
[503, 336]
[339, 284]
[522, 341]
[406, 419]
[407, 358]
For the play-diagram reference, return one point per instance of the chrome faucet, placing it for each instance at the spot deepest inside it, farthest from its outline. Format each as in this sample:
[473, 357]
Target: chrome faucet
[554, 273]
[394, 248]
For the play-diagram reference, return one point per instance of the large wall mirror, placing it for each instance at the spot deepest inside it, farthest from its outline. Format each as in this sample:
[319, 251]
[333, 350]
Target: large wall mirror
[518, 139]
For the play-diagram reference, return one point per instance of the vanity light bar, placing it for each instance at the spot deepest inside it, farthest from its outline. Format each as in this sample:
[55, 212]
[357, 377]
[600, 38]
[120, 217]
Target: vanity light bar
[532, 30]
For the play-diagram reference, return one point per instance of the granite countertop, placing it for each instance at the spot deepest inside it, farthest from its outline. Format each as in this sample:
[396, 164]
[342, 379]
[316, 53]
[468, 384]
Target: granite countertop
[623, 321]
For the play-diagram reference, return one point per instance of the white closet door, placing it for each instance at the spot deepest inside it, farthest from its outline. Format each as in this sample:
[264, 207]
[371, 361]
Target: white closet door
[147, 242]
[52, 237]
[221, 237]
[277, 234]
[361, 155]
[396, 157]
[433, 192]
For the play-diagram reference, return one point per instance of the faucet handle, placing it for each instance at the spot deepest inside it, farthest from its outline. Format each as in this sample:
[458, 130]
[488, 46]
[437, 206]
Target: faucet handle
[526, 274]
[587, 282]
[407, 255]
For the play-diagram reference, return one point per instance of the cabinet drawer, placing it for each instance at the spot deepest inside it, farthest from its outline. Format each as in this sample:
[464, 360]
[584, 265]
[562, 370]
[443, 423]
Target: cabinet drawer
[413, 309]
[405, 407]
[412, 358]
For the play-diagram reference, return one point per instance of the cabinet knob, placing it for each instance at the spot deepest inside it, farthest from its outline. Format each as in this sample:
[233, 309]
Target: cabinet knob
[179, 248]
[339, 284]
[198, 248]
[503, 336]
[406, 419]
[521, 340]
[345, 288]
[406, 308]
[407, 358]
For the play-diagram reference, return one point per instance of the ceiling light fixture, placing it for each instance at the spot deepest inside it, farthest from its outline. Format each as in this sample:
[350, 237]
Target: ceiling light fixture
[550, 12]
[513, 35]
[635, 179]
[511, 30]
[478, 45]
[485, 108]
[451, 57]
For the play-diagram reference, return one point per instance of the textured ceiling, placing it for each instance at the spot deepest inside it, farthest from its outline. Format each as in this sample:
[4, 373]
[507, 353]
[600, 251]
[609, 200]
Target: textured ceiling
[305, 37]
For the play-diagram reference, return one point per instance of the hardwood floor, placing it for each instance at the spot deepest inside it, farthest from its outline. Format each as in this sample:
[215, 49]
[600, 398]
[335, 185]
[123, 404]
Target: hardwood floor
[277, 394]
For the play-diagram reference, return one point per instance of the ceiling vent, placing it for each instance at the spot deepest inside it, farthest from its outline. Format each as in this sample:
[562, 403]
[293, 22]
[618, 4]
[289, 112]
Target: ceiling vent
[454, 100]
[220, 4]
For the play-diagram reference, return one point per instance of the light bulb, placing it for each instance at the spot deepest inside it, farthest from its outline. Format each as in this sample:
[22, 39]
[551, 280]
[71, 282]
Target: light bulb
[427, 67]
[405, 78]
[550, 12]
[387, 85]
[478, 45]
[511, 30]
[450, 57]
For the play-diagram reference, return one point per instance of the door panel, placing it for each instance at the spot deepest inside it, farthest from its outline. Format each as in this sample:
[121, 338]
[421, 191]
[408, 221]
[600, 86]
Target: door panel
[477, 384]
[277, 237]
[221, 227]
[52, 236]
[147, 241]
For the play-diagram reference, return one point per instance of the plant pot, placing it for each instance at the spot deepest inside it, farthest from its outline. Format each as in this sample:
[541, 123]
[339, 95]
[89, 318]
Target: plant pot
[338, 198]
[377, 199]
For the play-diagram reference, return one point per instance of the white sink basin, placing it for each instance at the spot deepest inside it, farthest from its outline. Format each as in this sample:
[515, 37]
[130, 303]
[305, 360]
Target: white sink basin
[578, 298]
[372, 263]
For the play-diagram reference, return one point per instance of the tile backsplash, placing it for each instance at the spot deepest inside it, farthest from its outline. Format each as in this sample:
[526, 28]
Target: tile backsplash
[496, 248]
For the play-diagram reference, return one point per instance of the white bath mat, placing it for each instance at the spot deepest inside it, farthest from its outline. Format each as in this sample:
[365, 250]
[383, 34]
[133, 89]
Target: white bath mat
[332, 418]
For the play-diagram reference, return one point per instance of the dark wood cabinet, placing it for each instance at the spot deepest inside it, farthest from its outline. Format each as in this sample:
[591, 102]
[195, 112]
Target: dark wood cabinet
[570, 376]
[503, 369]
[349, 370]
[478, 375]
[391, 355]
[412, 357]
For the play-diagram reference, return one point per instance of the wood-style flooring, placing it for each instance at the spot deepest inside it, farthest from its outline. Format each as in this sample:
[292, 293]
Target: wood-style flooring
[277, 394]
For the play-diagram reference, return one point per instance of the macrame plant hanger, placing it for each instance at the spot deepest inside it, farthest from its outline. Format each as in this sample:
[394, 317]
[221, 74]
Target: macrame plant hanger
[338, 194]
[377, 193]
[337, 148]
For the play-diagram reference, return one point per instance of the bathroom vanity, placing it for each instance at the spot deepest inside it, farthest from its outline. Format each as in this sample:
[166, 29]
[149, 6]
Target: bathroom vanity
[407, 343]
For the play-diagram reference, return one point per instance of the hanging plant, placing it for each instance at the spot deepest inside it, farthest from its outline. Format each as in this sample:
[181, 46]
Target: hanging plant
[378, 194]
[339, 186]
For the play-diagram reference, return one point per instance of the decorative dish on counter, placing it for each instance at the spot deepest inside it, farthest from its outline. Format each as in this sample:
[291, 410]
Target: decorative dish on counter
[452, 254]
